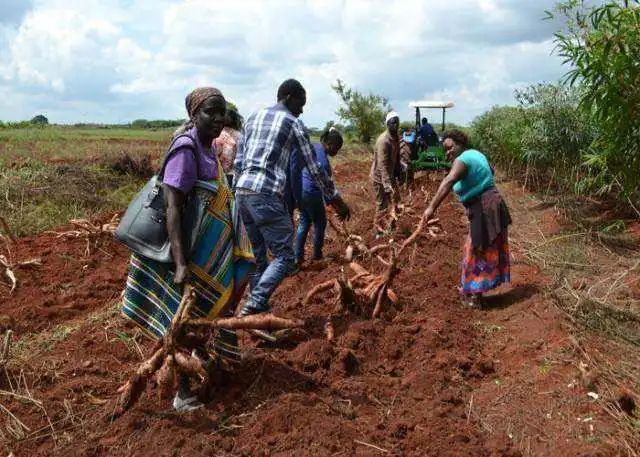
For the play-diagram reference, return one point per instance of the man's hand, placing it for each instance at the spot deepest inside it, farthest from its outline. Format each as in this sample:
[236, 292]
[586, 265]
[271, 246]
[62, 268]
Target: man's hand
[182, 275]
[341, 208]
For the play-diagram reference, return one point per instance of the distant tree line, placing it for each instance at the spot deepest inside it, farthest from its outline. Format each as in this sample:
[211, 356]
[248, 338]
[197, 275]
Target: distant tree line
[156, 124]
[41, 120]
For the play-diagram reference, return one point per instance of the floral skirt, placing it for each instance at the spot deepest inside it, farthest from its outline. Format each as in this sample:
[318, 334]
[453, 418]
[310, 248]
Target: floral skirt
[485, 269]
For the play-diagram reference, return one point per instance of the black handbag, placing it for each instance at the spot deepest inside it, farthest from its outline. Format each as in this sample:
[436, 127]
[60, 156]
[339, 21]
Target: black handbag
[143, 227]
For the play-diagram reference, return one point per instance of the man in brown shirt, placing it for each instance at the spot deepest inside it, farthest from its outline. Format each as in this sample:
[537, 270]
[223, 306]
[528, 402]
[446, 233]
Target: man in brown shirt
[385, 168]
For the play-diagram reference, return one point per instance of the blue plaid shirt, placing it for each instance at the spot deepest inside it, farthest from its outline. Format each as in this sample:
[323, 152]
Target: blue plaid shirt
[262, 160]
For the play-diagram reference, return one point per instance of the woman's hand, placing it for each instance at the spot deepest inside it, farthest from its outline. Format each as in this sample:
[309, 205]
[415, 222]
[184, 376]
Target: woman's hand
[174, 201]
[182, 275]
[458, 171]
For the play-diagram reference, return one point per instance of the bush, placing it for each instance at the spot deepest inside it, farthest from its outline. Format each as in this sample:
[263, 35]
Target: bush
[543, 140]
[127, 164]
[155, 124]
[602, 44]
[582, 135]
[40, 120]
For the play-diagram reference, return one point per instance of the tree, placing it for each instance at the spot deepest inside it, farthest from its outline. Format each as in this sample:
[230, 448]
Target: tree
[140, 124]
[40, 120]
[602, 45]
[364, 113]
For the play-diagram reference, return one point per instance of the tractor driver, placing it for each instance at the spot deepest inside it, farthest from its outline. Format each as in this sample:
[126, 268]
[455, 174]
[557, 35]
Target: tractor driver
[427, 134]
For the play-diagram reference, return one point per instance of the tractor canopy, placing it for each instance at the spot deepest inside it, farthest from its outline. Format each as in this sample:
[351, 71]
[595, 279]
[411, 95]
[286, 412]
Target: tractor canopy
[431, 104]
[430, 153]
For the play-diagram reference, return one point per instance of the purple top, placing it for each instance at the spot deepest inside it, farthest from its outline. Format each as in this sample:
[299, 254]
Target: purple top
[180, 171]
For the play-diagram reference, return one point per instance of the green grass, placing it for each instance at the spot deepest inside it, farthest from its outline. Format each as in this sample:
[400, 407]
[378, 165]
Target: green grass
[51, 175]
[55, 133]
[63, 144]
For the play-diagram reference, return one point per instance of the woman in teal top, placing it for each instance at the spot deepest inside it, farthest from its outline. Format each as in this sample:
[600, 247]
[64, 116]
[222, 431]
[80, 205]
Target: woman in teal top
[485, 262]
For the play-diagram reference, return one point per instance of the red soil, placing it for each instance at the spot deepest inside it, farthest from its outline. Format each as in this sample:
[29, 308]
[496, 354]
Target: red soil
[69, 283]
[429, 378]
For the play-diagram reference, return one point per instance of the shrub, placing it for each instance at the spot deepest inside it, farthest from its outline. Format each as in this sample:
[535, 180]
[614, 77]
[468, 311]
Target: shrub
[543, 139]
[602, 44]
[140, 166]
[40, 120]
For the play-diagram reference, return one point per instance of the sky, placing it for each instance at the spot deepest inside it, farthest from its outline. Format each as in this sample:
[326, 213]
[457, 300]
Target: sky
[113, 61]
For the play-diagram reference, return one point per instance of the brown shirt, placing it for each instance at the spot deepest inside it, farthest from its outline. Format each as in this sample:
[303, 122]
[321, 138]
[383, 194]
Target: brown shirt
[386, 161]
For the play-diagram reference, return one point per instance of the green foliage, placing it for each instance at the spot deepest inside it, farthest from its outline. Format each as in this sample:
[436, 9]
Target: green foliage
[602, 45]
[17, 125]
[155, 124]
[40, 120]
[51, 175]
[407, 125]
[543, 139]
[582, 135]
[363, 113]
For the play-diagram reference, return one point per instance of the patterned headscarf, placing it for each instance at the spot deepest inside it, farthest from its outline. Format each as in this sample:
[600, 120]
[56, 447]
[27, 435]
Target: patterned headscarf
[194, 101]
[197, 97]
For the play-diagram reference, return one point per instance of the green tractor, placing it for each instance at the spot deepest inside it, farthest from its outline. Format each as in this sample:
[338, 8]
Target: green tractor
[430, 154]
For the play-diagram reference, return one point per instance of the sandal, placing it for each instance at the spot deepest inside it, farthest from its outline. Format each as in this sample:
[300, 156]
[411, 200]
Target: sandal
[187, 403]
[472, 301]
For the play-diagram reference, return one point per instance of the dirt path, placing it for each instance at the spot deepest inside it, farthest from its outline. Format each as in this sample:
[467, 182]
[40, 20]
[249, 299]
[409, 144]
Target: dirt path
[428, 378]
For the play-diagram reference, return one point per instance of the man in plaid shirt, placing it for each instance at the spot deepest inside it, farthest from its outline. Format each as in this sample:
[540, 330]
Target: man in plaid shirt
[261, 166]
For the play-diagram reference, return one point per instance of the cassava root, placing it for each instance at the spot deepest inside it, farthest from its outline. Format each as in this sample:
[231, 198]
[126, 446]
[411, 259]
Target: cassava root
[170, 358]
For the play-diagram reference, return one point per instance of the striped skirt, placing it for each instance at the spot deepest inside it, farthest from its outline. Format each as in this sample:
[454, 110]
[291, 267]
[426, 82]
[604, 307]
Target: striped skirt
[485, 269]
[220, 267]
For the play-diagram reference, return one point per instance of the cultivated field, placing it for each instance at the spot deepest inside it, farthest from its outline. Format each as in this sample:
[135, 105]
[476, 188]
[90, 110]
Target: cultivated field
[550, 368]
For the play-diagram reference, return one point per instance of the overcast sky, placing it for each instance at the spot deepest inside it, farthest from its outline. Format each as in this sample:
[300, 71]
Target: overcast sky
[119, 60]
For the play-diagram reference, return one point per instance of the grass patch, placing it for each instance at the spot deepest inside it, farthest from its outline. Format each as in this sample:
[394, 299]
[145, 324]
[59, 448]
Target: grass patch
[353, 153]
[487, 329]
[59, 144]
[31, 345]
[597, 316]
[51, 175]
[545, 368]
[40, 196]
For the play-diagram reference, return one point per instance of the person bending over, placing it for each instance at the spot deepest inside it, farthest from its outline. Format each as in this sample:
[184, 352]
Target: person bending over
[485, 261]
[311, 205]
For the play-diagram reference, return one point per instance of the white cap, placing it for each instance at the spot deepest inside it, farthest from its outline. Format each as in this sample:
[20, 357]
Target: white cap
[390, 116]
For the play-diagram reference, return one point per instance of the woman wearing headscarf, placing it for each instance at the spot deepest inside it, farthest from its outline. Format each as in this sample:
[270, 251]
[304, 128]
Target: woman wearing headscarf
[485, 261]
[220, 260]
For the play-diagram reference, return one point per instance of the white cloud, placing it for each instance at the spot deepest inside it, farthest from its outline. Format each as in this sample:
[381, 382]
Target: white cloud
[118, 60]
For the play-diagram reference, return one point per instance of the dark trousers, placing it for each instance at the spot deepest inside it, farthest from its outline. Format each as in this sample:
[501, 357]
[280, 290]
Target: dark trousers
[269, 227]
[312, 212]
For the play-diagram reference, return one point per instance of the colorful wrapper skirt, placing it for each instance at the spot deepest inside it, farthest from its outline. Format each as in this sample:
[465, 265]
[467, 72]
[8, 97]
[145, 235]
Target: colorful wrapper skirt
[220, 266]
[485, 269]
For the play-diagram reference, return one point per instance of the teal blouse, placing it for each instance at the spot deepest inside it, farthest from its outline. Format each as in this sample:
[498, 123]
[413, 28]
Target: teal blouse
[478, 177]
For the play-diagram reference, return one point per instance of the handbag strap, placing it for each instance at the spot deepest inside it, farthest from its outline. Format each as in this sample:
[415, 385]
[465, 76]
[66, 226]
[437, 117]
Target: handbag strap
[170, 152]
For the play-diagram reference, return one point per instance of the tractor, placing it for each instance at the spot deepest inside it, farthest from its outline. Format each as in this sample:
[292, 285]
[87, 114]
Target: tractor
[429, 153]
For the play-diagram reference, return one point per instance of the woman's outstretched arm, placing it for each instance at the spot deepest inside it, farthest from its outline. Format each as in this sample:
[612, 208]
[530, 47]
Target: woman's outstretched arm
[457, 172]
